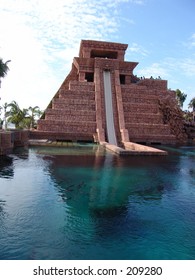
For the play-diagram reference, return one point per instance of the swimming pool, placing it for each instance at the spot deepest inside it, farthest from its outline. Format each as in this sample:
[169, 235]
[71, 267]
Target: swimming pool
[85, 203]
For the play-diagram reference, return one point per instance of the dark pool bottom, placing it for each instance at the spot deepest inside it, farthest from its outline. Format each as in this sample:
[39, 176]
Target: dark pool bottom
[83, 203]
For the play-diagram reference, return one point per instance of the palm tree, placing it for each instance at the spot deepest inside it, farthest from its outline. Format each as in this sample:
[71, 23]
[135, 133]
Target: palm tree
[192, 105]
[181, 97]
[4, 107]
[1, 122]
[22, 118]
[33, 113]
[3, 69]
[15, 114]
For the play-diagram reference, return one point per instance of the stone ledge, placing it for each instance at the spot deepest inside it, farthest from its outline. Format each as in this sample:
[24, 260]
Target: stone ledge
[75, 107]
[69, 112]
[71, 118]
[145, 150]
[134, 149]
[40, 134]
[74, 101]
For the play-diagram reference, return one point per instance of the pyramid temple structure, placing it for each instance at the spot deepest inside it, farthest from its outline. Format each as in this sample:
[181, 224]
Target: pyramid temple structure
[101, 100]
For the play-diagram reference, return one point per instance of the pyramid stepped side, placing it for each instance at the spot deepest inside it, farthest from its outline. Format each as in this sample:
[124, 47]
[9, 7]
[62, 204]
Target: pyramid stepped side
[143, 119]
[71, 114]
[77, 111]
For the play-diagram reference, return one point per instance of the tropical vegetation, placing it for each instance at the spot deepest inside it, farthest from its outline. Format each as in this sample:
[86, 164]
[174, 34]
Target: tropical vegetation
[187, 114]
[181, 97]
[21, 118]
[192, 104]
[3, 68]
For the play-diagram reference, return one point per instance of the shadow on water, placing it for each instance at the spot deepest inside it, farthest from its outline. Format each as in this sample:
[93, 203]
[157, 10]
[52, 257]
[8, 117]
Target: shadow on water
[100, 188]
[21, 153]
[2, 206]
[7, 162]
[106, 182]
[188, 150]
[6, 167]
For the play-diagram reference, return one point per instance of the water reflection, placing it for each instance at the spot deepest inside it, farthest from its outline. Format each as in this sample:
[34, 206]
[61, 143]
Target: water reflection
[21, 153]
[99, 190]
[101, 184]
[96, 205]
[6, 167]
[2, 206]
[192, 173]
[91, 180]
[7, 162]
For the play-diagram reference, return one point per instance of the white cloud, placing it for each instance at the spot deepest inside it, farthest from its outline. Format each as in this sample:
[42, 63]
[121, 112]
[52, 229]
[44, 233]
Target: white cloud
[27, 67]
[184, 66]
[138, 2]
[187, 67]
[154, 70]
[41, 37]
[135, 48]
[192, 40]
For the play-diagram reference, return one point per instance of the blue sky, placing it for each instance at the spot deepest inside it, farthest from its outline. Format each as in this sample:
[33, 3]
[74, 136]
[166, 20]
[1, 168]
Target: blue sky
[41, 37]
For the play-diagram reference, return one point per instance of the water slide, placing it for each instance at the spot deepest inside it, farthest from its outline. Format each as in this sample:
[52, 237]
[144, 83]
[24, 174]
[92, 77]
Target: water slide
[130, 147]
[109, 109]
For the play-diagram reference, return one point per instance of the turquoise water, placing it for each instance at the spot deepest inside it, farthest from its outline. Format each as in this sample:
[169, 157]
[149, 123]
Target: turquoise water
[85, 203]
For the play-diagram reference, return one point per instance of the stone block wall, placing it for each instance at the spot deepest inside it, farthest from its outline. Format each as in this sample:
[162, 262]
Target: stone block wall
[12, 139]
[143, 119]
[72, 113]
[20, 137]
[6, 143]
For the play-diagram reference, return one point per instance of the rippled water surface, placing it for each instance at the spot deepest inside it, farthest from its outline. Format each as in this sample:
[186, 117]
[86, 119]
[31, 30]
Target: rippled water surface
[84, 203]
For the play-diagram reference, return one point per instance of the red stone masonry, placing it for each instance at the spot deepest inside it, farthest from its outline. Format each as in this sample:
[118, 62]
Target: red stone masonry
[77, 111]
[12, 139]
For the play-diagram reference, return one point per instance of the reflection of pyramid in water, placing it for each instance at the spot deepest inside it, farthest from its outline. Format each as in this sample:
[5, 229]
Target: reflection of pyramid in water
[80, 108]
